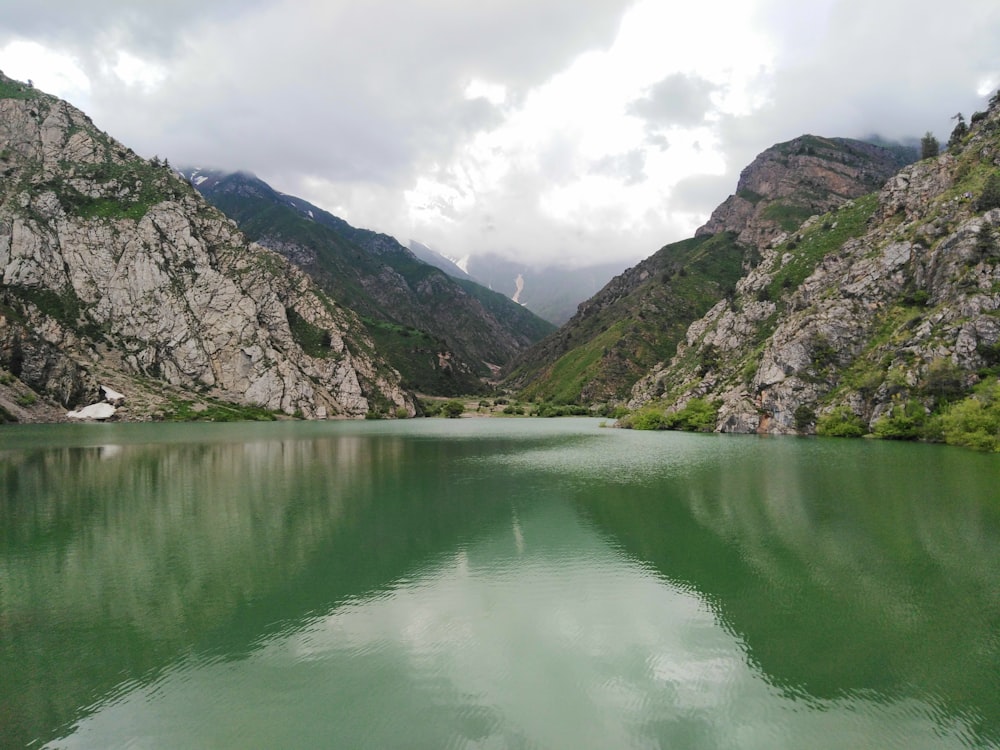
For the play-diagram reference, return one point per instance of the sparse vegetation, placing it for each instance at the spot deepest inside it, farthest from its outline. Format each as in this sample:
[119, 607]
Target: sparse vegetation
[27, 399]
[312, 339]
[851, 221]
[214, 410]
[16, 90]
[788, 216]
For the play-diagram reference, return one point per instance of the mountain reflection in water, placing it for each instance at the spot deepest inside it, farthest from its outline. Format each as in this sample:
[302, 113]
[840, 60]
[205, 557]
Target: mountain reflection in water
[480, 583]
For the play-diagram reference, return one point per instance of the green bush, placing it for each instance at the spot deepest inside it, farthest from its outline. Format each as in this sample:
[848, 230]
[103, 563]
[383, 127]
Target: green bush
[431, 408]
[453, 409]
[804, 417]
[841, 422]
[698, 415]
[647, 418]
[974, 422]
[945, 381]
[561, 410]
[27, 399]
[905, 421]
[614, 411]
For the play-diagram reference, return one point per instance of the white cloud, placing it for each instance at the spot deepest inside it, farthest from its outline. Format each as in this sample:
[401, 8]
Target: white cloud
[134, 71]
[545, 129]
[49, 69]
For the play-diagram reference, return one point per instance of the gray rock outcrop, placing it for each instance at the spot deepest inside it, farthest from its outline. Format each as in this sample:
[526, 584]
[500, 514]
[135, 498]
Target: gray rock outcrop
[112, 265]
[889, 299]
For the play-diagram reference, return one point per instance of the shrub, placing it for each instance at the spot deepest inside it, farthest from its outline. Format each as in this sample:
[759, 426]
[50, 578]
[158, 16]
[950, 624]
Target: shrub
[431, 408]
[840, 422]
[916, 298]
[974, 422]
[27, 399]
[616, 411]
[822, 352]
[646, 419]
[904, 421]
[804, 417]
[453, 409]
[698, 415]
[944, 380]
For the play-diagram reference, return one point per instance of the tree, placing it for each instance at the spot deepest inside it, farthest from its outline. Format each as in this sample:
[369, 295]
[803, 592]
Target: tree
[453, 409]
[929, 146]
[986, 243]
[990, 197]
[960, 131]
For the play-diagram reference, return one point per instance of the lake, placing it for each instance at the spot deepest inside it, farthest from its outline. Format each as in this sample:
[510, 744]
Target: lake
[493, 583]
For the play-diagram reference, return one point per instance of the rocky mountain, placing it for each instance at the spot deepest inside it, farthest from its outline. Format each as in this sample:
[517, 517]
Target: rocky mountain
[638, 318]
[882, 316]
[114, 272]
[631, 324]
[445, 335]
[789, 182]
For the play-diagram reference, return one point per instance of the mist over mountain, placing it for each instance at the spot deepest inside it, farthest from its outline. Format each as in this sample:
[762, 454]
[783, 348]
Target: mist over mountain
[551, 292]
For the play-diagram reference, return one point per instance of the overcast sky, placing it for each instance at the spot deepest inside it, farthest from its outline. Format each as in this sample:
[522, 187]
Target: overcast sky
[565, 131]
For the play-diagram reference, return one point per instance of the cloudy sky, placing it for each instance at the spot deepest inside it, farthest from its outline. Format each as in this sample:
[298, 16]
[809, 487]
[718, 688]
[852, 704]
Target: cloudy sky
[556, 131]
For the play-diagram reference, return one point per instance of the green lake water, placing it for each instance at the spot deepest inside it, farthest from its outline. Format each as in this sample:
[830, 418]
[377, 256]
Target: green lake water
[490, 583]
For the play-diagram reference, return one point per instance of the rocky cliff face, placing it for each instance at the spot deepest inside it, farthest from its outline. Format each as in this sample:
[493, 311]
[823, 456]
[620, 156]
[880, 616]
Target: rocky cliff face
[885, 307]
[792, 181]
[113, 270]
[443, 334]
[639, 317]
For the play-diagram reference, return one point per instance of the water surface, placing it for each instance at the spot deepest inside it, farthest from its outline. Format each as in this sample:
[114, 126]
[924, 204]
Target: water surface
[493, 584]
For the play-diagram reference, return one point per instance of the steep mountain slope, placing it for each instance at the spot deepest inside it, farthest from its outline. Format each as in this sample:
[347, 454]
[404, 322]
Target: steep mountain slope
[113, 271]
[632, 323]
[444, 335]
[875, 317]
[641, 315]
